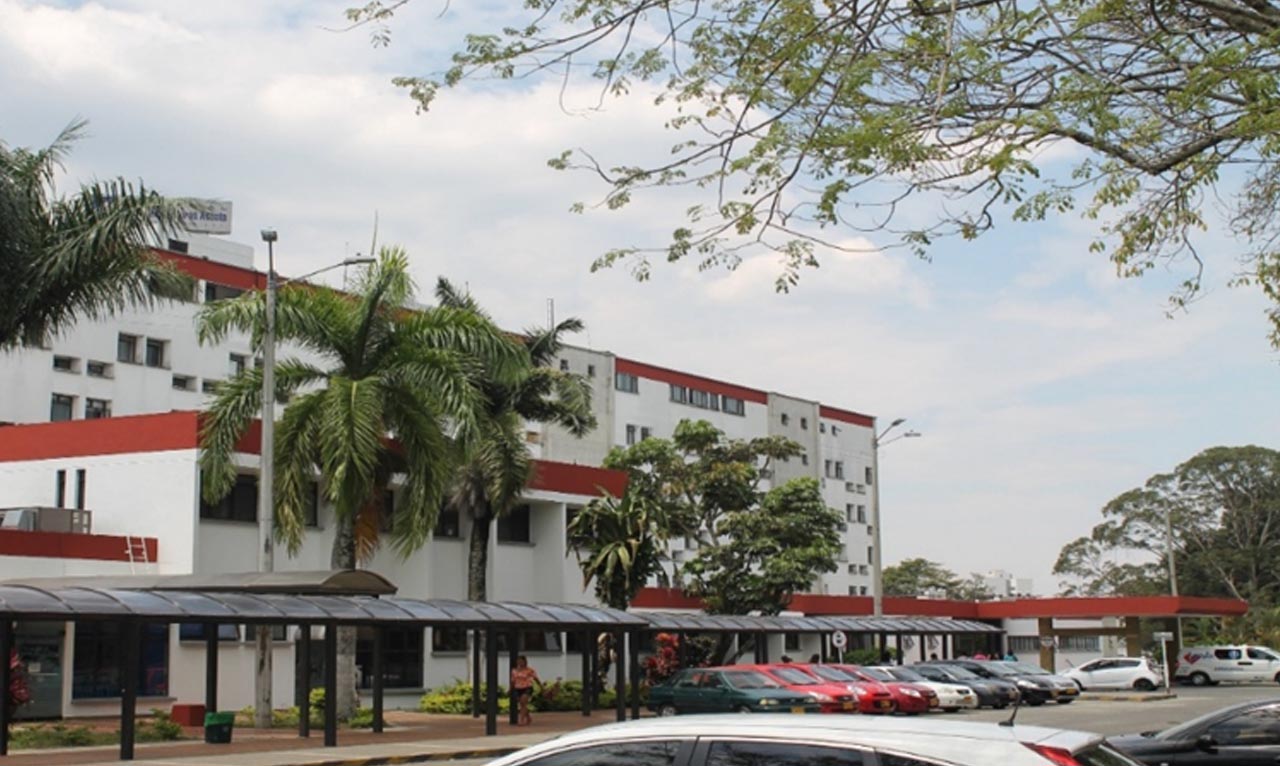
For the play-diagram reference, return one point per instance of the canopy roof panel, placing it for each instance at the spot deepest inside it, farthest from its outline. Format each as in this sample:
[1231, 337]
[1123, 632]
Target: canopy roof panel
[693, 622]
[341, 582]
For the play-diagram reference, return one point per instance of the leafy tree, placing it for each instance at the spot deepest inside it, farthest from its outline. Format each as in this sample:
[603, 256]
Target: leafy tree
[804, 123]
[625, 545]
[755, 548]
[920, 578]
[1223, 506]
[375, 405]
[974, 588]
[83, 256]
[496, 465]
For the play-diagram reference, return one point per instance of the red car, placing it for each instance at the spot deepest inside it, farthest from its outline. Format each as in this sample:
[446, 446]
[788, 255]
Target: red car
[872, 696]
[911, 699]
[832, 697]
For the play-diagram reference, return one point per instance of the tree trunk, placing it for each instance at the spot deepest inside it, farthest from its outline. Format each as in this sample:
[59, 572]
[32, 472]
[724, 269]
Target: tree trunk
[344, 557]
[478, 557]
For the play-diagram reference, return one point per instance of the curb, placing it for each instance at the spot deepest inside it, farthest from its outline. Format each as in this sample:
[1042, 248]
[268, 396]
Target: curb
[1130, 697]
[393, 760]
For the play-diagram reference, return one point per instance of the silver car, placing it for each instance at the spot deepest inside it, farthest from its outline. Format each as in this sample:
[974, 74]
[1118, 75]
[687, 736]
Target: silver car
[829, 740]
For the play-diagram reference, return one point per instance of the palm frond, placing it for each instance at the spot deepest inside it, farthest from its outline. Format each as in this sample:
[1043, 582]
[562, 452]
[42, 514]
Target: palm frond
[296, 464]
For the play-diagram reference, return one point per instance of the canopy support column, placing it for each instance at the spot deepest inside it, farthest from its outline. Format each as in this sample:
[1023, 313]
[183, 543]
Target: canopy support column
[588, 642]
[379, 651]
[210, 667]
[513, 653]
[491, 682]
[331, 685]
[620, 674]
[633, 657]
[477, 647]
[6, 675]
[132, 636]
[304, 681]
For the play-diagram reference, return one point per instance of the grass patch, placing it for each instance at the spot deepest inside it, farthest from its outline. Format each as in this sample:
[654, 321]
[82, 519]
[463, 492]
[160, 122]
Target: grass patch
[40, 736]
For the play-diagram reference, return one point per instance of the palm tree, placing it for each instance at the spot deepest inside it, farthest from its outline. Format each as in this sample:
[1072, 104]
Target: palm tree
[84, 256]
[625, 543]
[496, 465]
[389, 385]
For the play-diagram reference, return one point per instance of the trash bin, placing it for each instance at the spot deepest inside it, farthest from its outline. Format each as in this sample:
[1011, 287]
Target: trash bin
[217, 727]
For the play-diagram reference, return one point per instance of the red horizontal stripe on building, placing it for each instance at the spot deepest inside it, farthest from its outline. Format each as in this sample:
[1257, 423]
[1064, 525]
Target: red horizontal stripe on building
[104, 436]
[213, 271]
[846, 416]
[653, 372]
[70, 545]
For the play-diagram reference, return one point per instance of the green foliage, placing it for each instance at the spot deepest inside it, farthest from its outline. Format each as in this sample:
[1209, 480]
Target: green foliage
[361, 719]
[86, 256]
[805, 123]
[620, 545]
[383, 370]
[159, 727]
[456, 699]
[869, 655]
[1220, 509]
[922, 578]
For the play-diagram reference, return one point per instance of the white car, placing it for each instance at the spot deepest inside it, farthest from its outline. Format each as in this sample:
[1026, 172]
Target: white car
[1117, 673]
[829, 740]
[951, 697]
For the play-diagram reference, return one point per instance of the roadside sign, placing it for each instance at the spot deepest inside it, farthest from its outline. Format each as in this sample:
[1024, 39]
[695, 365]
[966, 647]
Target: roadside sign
[839, 640]
[1163, 635]
[1047, 641]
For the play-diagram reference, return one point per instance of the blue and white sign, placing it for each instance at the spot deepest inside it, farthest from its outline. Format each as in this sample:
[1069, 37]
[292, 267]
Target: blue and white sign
[208, 216]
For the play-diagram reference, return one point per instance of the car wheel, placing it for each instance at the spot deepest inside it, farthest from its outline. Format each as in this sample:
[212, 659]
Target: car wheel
[1144, 685]
[742, 709]
[1079, 685]
[951, 710]
[1067, 701]
[1034, 702]
[1199, 679]
[667, 710]
[1277, 678]
[1000, 706]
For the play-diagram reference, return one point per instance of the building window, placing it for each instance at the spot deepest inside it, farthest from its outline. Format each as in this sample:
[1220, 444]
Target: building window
[61, 407]
[514, 527]
[401, 657]
[564, 365]
[869, 476]
[631, 435]
[209, 385]
[531, 641]
[448, 639]
[60, 489]
[240, 504]
[862, 590]
[178, 246]
[99, 652]
[731, 405]
[804, 424]
[65, 363]
[184, 383]
[237, 364]
[447, 524]
[127, 349]
[626, 382]
[194, 631]
[839, 472]
[822, 427]
[804, 458]
[216, 292]
[96, 408]
[871, 554]
[80, 482]
[97, 370]
[679, 394]
[862, 514]
[826, 468]
[155, 352]
[591, 371]
[645, 432]
[786, 419]
[311, 504]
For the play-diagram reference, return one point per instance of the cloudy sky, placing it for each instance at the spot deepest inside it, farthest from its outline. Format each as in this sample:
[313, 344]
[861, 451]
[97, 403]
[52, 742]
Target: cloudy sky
[1043, 385]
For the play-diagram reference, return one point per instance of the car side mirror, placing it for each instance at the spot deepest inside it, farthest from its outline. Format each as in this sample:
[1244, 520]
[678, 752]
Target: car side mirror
[1207, 743]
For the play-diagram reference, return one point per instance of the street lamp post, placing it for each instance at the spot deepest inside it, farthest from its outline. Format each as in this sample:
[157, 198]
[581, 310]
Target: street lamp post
[266, 470]
[877, 571]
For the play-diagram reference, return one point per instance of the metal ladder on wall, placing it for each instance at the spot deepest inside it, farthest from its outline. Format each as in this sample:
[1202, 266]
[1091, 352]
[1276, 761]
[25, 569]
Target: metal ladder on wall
[136, 550]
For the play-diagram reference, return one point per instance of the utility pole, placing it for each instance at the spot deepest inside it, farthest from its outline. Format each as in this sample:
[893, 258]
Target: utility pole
[266, 488]
[877, 562]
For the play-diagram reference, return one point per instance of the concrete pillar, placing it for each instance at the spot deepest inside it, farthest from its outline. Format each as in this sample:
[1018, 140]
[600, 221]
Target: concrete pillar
[1045, 629]
[1132, 637]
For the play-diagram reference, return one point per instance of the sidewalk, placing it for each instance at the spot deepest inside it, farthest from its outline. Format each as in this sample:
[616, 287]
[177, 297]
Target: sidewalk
[409, 738]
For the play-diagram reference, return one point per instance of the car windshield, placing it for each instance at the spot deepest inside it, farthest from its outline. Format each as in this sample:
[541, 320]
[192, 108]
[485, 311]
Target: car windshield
[749, 679]
[960, 674]
[795, 677]
[1188, 728]
[1025, 669]
[880, 674]
[905, 674]
[1000, 669]
[831, 674]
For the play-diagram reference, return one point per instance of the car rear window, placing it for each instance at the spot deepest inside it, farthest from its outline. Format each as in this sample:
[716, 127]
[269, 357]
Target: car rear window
[749, 679]
[832, 674]
[780, 754]
[646, 753]
[797, 677]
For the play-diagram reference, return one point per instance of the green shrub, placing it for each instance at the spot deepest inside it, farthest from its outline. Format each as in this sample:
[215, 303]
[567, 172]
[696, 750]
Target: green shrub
[40, 736]
[159, 728]
[363, 719]
[868, 656]
[456, 699]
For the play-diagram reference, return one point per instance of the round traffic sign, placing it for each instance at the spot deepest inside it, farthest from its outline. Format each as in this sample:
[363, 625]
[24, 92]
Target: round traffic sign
[839, 640]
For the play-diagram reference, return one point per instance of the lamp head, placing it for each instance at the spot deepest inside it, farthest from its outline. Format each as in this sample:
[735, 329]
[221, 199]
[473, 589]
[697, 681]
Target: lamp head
[897, 422]
[359, 261]
[269, 235]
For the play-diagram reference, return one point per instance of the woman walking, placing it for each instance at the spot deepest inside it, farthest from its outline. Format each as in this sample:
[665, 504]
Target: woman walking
[523, 678]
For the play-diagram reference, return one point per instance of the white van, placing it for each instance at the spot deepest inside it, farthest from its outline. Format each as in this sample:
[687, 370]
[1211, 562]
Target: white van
[1201, 665]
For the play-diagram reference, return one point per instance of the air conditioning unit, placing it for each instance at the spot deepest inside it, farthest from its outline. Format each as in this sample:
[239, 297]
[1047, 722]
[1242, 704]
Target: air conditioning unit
[18, 518]
[40, 519]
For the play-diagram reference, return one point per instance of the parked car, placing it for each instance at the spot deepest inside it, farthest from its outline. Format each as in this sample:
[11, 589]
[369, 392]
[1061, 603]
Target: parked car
[951, 696]
[1138, 673]
[827, 740]
[716, 690]
[871, 696]
[910, 698]
[1239, 735]
[1203, 665]
[991, 692]
[1036, 685]
[833, 697]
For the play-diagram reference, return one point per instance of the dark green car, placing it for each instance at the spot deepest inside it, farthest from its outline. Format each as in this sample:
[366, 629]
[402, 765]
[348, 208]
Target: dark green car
[721, 690]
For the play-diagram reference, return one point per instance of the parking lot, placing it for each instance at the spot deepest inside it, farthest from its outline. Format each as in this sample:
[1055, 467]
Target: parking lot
[1124, 717]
